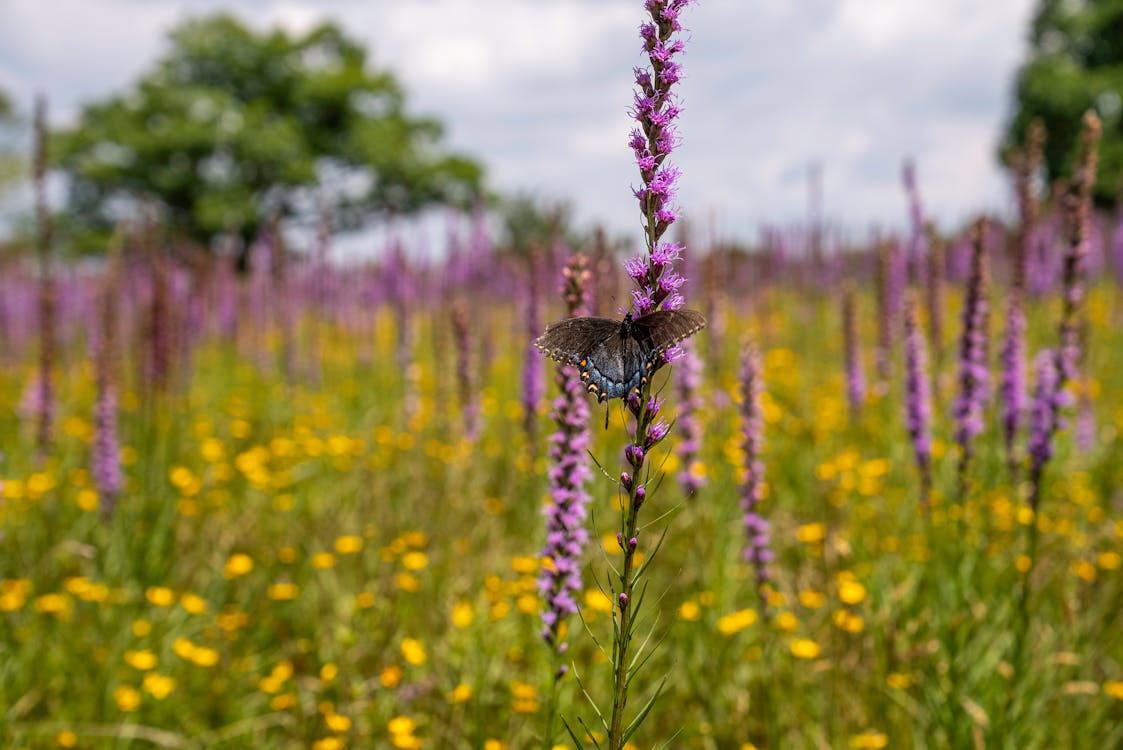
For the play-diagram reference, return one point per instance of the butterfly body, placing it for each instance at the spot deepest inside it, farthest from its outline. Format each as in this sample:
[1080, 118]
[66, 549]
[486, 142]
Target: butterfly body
[617, 356]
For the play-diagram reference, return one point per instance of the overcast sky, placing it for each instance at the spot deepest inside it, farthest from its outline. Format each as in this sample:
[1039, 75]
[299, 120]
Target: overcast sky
[539, 91]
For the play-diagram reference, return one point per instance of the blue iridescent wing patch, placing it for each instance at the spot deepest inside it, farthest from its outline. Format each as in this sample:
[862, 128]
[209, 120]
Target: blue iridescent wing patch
[617, 356]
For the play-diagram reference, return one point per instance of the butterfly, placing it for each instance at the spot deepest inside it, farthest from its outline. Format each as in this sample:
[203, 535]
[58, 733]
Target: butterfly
[617, 356]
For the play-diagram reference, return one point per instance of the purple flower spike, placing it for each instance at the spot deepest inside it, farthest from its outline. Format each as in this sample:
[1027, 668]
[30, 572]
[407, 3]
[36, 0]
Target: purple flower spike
[1044, 418]
[974, 372]
[756, 549]
[688, 382]
[655, 109]
[918, 399]
[855, 377]
[566, 535]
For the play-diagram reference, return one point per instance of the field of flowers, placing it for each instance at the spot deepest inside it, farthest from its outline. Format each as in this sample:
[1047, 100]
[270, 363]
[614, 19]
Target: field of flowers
[314, 506]
[329, 526]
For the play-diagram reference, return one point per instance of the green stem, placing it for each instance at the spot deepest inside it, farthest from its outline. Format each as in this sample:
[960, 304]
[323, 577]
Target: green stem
[625, 600]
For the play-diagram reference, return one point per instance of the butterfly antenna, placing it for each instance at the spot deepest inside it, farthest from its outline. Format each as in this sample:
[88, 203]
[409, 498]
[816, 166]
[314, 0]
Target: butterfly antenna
[607, 406]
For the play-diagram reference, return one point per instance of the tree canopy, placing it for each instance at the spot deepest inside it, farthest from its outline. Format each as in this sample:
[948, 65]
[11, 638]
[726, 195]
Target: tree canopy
[232, 127]
[1075, 64]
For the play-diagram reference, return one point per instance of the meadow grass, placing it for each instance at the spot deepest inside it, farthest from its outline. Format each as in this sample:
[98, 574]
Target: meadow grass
[301, 564]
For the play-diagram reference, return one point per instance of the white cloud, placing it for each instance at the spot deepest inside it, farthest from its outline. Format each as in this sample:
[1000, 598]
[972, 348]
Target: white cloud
[540, 91]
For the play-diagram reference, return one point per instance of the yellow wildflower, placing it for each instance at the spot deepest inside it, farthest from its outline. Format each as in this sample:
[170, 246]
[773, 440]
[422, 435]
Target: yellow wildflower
[804, 648]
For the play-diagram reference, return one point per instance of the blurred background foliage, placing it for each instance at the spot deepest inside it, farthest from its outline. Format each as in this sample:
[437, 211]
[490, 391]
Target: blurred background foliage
[1075, 63]
[232, 127]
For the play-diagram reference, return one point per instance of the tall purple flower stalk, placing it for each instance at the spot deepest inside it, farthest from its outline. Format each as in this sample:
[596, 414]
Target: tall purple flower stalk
[658, 285]
[974, 371]
[532, 363]
[47, 303]
[934, 297]
[688, 385]
[1045, 416]
[1012, 390]
[1077, 207]
[885, 312]
[566, 536]
[756, 550]
[106, 465]
[852, 353]
[462, 337]
[918, 241]
[918, 397]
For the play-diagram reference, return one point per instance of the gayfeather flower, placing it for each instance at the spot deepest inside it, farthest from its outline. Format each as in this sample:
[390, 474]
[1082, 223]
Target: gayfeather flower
[855, 377]
[756, 551]
[106, 465]
[47, 291]
[655, 108]
[1045, 419]
[658, 286]
[934, 296]
[688, 383]
[918, 397]
[1117, 250]
[1050, 396]
[1077, 208]
[974, 372]
[1012, 389]
[469, 408]
[918, 243]
[566, 536]
[886, 311]
[532, 363]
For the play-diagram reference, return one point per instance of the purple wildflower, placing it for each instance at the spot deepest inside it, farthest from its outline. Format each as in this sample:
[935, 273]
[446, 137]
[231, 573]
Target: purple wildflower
[1045, 417]
[934, 295]
[756, 549]
[688, 382]
[1077, 208]
[1012, 389]
[855, 377]
[918, 397]
[974, 372]
[1050, 395]
[469, 408]
[655, 108]
[887, 307]
[565, 514]
[532, 363]
[106, 466]
[918, 242]
[47, 302]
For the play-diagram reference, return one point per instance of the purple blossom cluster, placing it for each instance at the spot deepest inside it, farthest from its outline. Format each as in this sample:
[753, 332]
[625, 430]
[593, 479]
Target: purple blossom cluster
[1045, 418]
[974, 370]
[565, 514]
[852, 353]
[918, 397]
[918, 241]
[655, 109]
[1012, 388]
[462, 337]
[756, 549]
[533, 387]
[106, 464]
[688, 384]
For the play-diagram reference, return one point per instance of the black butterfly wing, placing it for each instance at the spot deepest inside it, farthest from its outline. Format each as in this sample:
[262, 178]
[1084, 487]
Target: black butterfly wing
[596, 346]
[615, 357]
[660, 330]
[573, 339]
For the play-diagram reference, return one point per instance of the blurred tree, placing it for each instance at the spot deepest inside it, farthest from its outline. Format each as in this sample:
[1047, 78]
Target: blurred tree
[1075, 63]
[232, 127]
